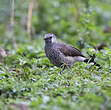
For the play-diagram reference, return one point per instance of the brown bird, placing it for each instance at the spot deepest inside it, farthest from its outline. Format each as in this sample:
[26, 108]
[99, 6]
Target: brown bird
[61, 54]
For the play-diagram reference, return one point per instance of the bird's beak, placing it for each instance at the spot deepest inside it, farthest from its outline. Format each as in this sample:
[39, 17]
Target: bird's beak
[44, 38]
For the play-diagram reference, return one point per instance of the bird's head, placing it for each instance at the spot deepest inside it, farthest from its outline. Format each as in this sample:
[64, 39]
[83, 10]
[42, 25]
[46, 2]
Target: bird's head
[50, 38]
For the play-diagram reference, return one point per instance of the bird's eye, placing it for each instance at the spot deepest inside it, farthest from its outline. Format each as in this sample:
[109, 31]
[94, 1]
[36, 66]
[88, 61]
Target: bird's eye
[50, 37]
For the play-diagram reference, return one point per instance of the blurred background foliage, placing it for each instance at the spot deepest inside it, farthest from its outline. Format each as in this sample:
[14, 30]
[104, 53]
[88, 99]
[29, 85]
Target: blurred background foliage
[29, 80]
[71, 20]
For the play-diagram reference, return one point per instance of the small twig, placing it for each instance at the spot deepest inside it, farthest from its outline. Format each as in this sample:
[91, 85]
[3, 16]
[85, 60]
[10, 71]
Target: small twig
[29, 19]
[12, 25]
[92, 59]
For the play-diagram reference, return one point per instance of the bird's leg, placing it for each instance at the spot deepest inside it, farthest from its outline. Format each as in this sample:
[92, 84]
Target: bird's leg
[62, 68]
[65, 66]
[69, 66]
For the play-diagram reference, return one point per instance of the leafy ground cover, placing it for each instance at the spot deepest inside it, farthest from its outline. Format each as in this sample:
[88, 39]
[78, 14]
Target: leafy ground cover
[28, 81]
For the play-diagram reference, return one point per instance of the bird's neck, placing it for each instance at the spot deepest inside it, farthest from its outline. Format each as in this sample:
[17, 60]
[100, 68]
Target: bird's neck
[49, 44]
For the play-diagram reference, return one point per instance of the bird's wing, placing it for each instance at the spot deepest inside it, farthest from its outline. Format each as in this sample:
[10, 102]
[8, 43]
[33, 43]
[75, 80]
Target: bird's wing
[68, 50]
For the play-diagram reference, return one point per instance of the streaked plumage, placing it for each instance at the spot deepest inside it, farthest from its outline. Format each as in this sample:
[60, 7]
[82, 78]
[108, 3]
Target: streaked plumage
[61, 53]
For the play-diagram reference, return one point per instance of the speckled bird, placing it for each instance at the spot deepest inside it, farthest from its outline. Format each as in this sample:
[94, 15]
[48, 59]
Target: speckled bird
[61, 54]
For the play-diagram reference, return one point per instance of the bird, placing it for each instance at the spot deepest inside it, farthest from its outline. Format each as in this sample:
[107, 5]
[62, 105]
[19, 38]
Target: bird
[61, 54]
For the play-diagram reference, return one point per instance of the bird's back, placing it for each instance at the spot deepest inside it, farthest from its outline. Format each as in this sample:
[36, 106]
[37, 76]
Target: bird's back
[68, 50]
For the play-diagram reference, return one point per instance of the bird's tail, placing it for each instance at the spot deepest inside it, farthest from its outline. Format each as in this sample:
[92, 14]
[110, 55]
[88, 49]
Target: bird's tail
[91, 60]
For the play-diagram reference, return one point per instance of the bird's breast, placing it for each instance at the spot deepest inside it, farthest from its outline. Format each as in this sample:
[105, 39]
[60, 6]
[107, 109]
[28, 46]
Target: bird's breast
[54, 55]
